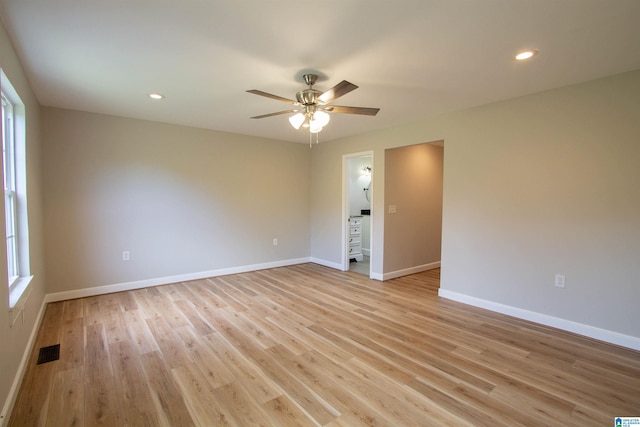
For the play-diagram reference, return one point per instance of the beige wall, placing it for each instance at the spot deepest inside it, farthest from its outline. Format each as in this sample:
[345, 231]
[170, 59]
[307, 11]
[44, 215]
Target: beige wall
[548, 184]
[413, 184]
[14, 339]
[533, 187]
[181, 200]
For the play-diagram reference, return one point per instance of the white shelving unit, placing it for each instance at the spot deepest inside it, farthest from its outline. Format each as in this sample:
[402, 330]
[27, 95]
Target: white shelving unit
[355, 238]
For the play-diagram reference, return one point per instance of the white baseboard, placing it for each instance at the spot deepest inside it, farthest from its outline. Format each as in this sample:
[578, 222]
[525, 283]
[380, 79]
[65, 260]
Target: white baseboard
[411, 270]
[22, 368]
[376, 276]
[326, 263]
[372, 275]
[544, 319]
[128, 286]
[366, 252]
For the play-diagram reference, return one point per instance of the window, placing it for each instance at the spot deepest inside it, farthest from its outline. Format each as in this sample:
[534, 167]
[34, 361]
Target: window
[9, 167]
[15, 197]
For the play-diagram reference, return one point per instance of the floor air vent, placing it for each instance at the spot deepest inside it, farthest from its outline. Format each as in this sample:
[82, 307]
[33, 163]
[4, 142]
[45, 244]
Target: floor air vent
[49, 354]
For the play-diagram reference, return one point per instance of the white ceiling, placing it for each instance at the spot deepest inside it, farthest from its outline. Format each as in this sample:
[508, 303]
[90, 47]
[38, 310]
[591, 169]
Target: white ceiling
[411, 58]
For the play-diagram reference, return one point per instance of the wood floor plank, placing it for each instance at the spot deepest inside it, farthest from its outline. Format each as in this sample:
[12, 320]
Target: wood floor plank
[204, 296]
[93, 310]
[369, 393]
[166, 309]
[211, 366]
[127, 301]
[34, 396]
[418, 408]
[240, 405]
[72, 341]
[102, 404]
[221, 288]
[286, 413]
[139, 331]
[169, 403]
[171, 347]
[73, 309]
[137, 402]
[242, 360]
[381, 363]
[309, 339]
[306, 398]
[254, 330]
[349, 404]
[190, 311]
[67, 399]
[116, 328]
[200, 397]
[306, 345]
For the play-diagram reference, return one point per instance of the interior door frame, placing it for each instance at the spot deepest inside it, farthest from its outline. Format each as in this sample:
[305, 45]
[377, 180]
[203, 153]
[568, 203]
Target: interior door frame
[346, 206]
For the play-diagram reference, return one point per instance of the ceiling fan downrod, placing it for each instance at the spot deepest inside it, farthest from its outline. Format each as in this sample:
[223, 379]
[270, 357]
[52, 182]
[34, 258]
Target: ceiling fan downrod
[308, 96]
[310, 79]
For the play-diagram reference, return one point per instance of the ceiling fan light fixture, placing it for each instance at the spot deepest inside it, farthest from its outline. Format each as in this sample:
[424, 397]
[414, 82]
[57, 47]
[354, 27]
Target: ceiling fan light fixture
[314, 127]
[297, 120]
[320, 118]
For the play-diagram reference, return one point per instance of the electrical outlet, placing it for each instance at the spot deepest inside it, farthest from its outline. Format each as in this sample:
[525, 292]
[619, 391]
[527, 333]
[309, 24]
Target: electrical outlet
[126, 256]
[560, 280]
[392, 209]
[275, 241]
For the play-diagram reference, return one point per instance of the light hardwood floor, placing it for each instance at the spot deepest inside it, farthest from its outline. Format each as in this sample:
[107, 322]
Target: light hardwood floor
[307, 345]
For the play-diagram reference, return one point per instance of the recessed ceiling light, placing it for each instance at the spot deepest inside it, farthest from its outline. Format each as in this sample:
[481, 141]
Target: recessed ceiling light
[526, 54]
[156, 96]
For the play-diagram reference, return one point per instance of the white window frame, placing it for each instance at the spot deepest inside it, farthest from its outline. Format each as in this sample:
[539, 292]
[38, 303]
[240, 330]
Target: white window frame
[10, 195]
[15, 183]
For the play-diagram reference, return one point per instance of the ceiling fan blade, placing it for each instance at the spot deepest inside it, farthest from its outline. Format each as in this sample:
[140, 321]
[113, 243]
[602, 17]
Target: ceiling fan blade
[269, 95]
[337, 91]
[352, 110]
[275, 114]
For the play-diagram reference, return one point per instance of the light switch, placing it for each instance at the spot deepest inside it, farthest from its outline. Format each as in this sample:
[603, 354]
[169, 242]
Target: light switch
[392, 209]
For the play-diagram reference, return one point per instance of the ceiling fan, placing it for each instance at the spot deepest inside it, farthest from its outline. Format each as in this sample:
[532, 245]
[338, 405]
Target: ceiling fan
[314, 105]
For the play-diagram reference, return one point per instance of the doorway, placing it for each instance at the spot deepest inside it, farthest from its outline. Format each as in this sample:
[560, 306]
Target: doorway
[357, 203]
[413, 194]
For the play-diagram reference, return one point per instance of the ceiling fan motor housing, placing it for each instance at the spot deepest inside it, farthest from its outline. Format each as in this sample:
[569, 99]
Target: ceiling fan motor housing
[308, 96]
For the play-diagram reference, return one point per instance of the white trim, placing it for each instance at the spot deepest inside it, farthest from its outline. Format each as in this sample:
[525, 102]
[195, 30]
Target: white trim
[366, 252]
[18, 296]
[338, 266]
[411, 270]
[128, 286]
[344, 251]
[326, 263]
[376, 276]
[22, 368]
[544, 319]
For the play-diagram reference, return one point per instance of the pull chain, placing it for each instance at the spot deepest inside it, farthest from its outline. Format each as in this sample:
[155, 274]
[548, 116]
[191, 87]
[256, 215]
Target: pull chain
[311, 139]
